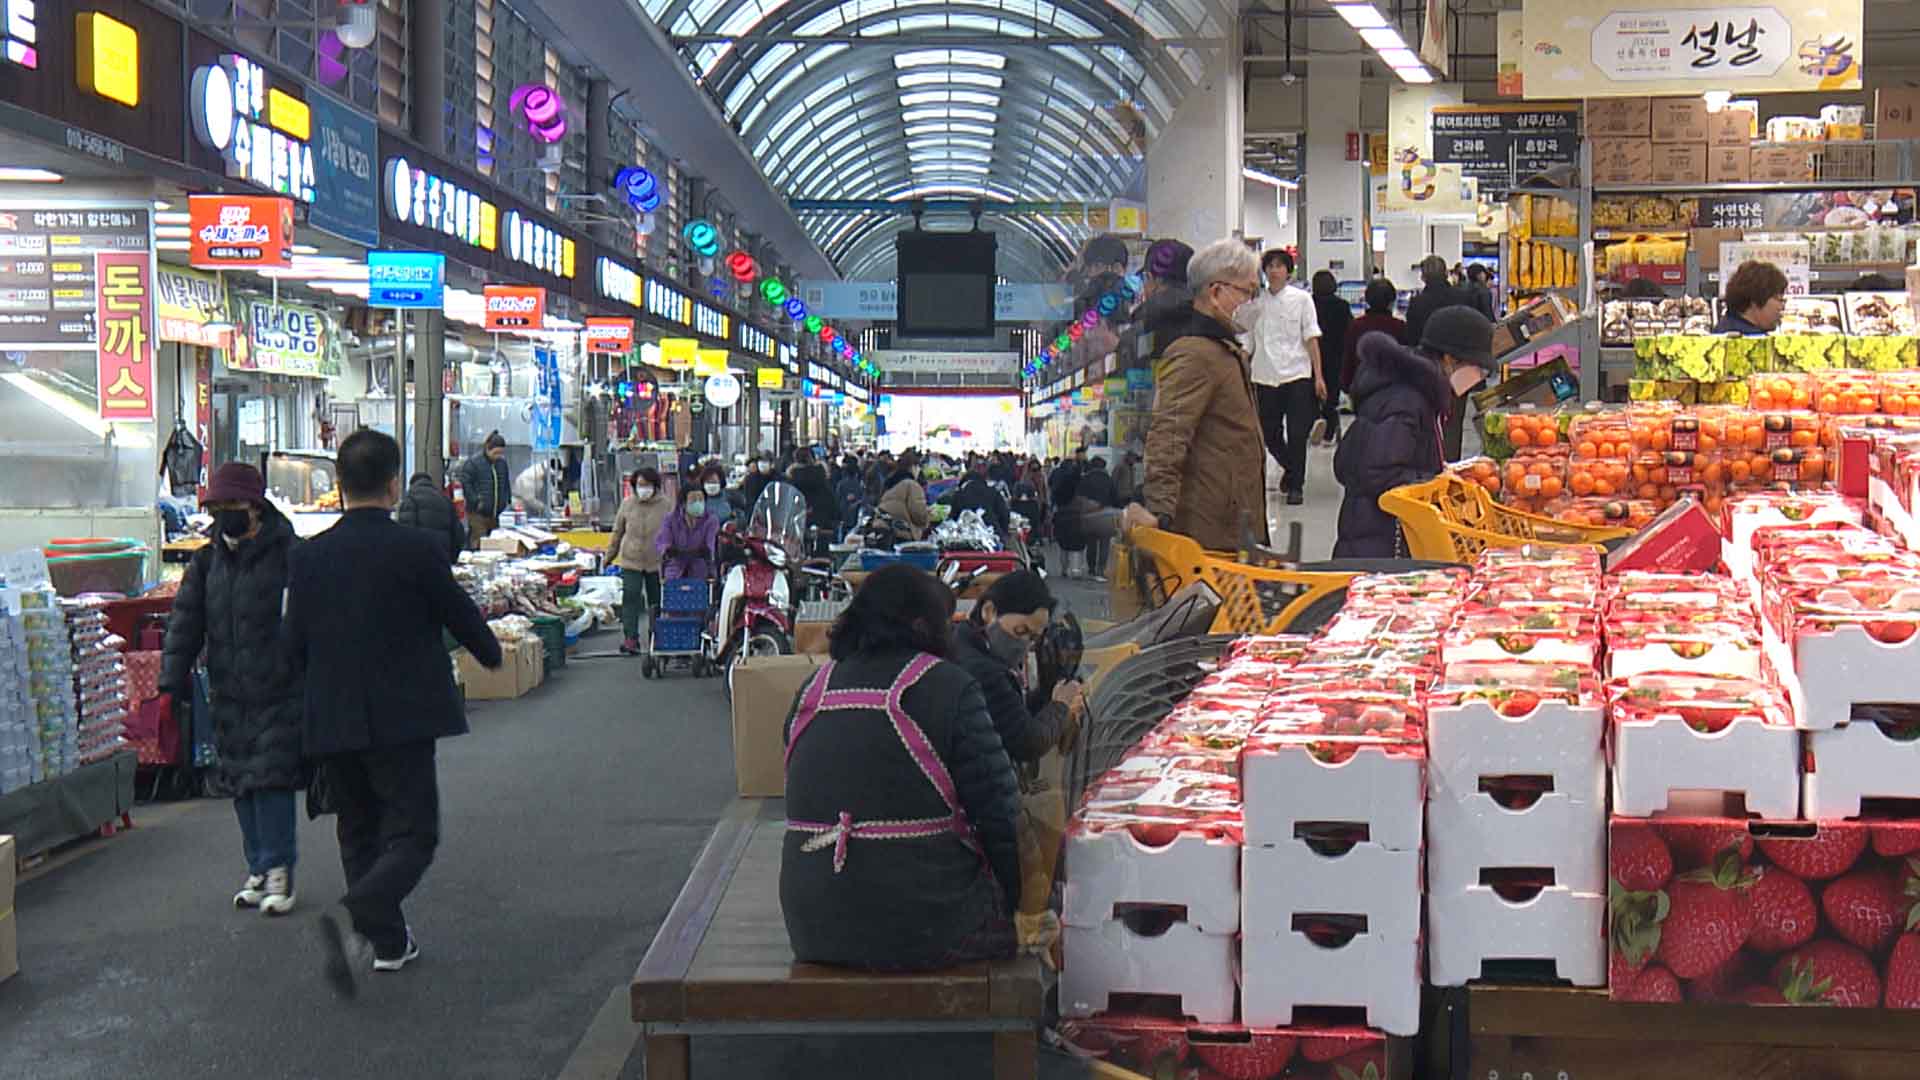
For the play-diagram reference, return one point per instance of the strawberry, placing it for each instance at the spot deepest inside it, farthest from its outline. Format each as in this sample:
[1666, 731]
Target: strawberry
[1720, 983]
[1896, 838]
[1890, 633]
[1156, 1044]
[1155, 833]
[1695, 843]
[1640, 860]
[1784, 915]
[1654, 984]
[1261, 1057]
[1826, 854]
[1838, 974]
[1519, 703]
[1710, 916]
[1903, 974]
[1325, 1048]
[1865, 907]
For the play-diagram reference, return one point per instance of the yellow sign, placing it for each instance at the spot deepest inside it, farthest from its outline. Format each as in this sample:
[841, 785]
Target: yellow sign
[1129, 220]
[107, 58]
[678, 352]
[289, 114]
[770, 378]
[1626, 48]
[709, 361]
[1377, 153]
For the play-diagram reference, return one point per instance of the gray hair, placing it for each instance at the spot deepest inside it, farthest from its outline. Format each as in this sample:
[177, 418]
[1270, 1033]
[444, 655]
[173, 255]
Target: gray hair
[1222, 260]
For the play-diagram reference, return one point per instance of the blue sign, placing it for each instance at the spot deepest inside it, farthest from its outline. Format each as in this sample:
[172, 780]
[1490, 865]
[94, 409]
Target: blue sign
[406, 279]
[546, 400]
[1139, 379]
[346, 197]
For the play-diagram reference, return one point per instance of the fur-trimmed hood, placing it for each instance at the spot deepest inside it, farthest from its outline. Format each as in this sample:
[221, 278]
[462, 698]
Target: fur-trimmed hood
[1385, 362]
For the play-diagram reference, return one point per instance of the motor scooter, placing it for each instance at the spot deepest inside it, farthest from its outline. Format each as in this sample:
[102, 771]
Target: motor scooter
[757, 599]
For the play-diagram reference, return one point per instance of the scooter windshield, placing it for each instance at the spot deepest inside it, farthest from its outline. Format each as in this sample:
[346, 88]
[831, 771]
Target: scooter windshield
[780, 516]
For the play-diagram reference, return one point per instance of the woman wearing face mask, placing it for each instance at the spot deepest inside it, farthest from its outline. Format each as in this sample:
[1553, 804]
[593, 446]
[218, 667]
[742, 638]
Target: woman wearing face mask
[230, 605]
[713, 485]
[993, 645]
[688, 537]
[759, 475]
[636, 530]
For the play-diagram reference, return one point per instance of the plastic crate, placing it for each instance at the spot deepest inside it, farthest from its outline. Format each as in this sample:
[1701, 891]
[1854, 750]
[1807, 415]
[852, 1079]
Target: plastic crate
[873, 560]
[553, 634]
[683, 595]
[992, 562]
[677, 635]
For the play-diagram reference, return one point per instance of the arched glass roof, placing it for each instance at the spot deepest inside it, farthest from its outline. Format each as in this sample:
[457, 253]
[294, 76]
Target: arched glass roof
[990, 100]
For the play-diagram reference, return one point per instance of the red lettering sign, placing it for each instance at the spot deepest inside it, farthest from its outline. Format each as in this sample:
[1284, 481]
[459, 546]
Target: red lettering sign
[515, 307]
[123, 343]
[240, 230]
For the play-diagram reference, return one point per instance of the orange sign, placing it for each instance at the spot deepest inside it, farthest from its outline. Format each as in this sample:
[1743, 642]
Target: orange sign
[123, 313]
[609, 335]
[245, 231]
[515, 307]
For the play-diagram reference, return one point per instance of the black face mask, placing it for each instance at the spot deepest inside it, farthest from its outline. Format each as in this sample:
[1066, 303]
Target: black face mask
[1006, 648]
[233, 524]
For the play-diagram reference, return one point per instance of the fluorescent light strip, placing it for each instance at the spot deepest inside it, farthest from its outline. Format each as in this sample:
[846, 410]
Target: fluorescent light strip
[1383, 38]
[175, 218]
[29, 176]
[172, 232]
[1269, 179]
[1399, 58]
[1361, 16]
[1414, 74]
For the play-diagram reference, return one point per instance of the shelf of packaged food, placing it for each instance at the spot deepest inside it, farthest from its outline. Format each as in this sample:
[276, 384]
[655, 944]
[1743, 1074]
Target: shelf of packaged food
[1628, 232]
[1743, 188]
[1562, 290]
[1840, 273]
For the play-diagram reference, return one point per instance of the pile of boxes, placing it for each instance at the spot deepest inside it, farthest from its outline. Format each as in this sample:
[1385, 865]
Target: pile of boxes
[1637, 140]
[523, 664]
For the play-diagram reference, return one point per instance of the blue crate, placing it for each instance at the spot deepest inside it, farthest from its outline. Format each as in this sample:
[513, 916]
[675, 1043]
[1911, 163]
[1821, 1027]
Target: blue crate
[682, 595]
[873, 560]
[677, 635]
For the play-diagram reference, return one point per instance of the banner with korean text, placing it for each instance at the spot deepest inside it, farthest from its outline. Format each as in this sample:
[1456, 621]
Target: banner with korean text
[123, 317]
[1625, 48]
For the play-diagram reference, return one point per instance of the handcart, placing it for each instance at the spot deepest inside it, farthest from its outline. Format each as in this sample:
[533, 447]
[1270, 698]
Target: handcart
[1450, 519]
[675, 632]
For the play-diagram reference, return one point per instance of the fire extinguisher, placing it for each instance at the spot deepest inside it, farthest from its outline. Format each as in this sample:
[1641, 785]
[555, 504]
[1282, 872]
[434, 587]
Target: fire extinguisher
[459, 497]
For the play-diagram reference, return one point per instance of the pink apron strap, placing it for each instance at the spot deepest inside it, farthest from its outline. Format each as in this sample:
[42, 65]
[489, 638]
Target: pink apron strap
[809, 708]
[915, 739]
[854, 699]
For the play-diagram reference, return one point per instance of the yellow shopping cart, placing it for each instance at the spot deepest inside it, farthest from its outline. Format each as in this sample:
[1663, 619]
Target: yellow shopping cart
[1449, 519]
[1157, 565]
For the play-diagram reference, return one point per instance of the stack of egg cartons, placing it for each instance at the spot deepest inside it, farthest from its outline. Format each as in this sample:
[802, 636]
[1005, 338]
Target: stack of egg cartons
[19, 731]
[50, 680]
[99, 684]
[1517, 774]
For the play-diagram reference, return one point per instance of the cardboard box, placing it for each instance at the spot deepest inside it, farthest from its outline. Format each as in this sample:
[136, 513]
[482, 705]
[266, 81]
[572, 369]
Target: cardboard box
[1476, 924]
[1194, 871]
[482, 684]
[1731, 127]
[1657, 761]
[9, 926]
[1896, 113]
[1622, 161]
[1683, 540]
[1681, 119]
[1371, 972]
[810, 637]
[1781, 164]
[530, 664]
[1611, 117]
[1705, 243]
[1543, 315]
[508, 542]
[1857, 761]
[763, 691]
[1111, 959]
[1729, 164]
[1679, 163]
[1146, 1045]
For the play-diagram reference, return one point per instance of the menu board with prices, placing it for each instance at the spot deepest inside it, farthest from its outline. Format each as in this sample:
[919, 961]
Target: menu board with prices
[47, 270]
[1501, 145]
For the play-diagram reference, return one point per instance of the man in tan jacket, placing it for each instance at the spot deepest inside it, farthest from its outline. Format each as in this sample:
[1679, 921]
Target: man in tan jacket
[1204, 451]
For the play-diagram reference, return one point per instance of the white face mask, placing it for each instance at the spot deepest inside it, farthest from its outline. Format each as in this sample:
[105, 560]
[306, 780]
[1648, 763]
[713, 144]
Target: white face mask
[643, 493]
[1464, 378]
[713, 489]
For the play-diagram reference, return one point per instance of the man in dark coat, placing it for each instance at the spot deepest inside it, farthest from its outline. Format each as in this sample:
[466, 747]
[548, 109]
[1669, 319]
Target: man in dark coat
[1480, 289]
[1097, 492]
[487, 485]
[366, 603]
[1063, 487]
[230, 604]
[976, 492]
[879, 477]
[810, 477]
[427, 508]
[993, 644]
[1440, 292]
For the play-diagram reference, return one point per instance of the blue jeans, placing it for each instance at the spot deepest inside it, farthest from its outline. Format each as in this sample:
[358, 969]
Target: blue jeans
[267, 829]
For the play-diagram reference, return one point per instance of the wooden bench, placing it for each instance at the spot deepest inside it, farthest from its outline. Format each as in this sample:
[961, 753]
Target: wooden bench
[721, 965]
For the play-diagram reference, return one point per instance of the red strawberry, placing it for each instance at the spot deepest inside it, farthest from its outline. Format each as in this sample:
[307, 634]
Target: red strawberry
[1865, 907]
[1710, 916]
[1324, 1048]
[1828, 853]
[1720, 983]
[1640, 859]
[1834, 973]
[1695, 843]
[1891, 633]
[1903, 974]
[1784, 915]
[1654, 984]
[1154, 1044]
[1896, 838]
[1262, 1057]
[1520, 703]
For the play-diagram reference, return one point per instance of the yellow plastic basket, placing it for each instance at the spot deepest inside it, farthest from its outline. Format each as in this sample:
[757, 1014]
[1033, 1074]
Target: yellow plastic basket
[1448, 519]
[1253, 599]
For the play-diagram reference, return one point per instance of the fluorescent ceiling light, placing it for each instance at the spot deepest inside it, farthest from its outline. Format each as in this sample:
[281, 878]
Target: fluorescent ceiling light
[1399, 58]
[1361, 16]
[29, 176]
[172, 232]
[930, 57]
[175, 218]
[1414, 74]
[1384, 37]
[173, 245]
[1268, 179]
[162, 204]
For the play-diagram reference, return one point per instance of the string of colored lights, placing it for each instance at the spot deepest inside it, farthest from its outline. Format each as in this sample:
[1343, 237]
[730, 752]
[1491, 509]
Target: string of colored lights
[1107, 305]
[745, 269]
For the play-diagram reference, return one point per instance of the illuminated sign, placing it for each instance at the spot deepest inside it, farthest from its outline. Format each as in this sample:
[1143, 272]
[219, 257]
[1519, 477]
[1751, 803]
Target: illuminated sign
[419, 198]
[702, 237]
[668, 304]
[723, 390]
[618, 282]
[514, 307]
[262, 144]
[532, 243]
[609, 335]
[19, 34]
[770, 378]
[712, 321]
[678, 352]
[123, 311]
[541, 111]
[106, 57]
[406, 279]
[639, 188]
[289, 114]
[247, 231]
[755, 340]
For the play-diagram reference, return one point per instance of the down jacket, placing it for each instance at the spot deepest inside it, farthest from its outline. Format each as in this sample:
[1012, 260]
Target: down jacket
[427, 508]
[905, 501]
[1029, 726]
[1204, 452]
[1399, 398]
[486, 484]
[230, 603]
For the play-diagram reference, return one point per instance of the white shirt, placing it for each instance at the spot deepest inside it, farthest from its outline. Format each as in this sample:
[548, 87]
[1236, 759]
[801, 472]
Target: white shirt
[1283, 324]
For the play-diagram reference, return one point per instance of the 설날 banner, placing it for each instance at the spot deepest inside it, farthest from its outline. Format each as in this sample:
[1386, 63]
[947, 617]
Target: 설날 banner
[1625, 48]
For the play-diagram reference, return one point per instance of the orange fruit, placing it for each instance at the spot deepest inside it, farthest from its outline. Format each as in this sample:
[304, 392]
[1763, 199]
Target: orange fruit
[1541, 467]
[1669, 493]
[1545, 435]
[1648, 491]
[1518, 435]
[1761, 399]
[1829, 403]
[1708, 443]
[1739, 471]
[1913, 404]
[1587, 450]
[1800, 398]
[1582, 483]
[1491, 483]
[1550, 487]
[1602, 487]
[1661, 440]
[1802, 437]
[1782, 386]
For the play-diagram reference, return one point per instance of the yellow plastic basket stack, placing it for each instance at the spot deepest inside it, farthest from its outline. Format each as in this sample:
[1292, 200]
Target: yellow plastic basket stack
[1448, 519]
[1253, 599]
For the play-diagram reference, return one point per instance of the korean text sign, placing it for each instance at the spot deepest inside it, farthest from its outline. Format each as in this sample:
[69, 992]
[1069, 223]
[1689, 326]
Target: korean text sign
[1576, 48]
[515, 307]
[123, 316]
[240, 230]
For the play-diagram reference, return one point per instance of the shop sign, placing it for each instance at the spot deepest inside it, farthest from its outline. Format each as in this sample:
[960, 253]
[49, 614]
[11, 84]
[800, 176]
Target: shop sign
[1794, 258]
[929, 362]
[1577, 48]
[1802, 209]
[124, 313]
[545, 415]
[755, 340]
[514, 307]
[406, 279]
[188, 303]
[284, 339]
[346, 197]
[722, 390]
[609, 335]
[48, 273]
[667, 304]
[617, 282]
[1511, 40]
[712, 322]
[876, 301]
[770, 378]
[709, 361]
[19, 33]
[244, 231]
[426, 201]
[106, 55]
[1129, 219]
[260, 131]
[1139, 378]
[1499, 145]
[538, 246]
[678, 352]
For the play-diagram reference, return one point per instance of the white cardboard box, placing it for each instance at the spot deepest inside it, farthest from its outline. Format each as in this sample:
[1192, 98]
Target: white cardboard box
[1111, 867]
[1380, 975]
[1561, 831]
[1285, 785]
[1857, 761]
[1473, 925]
[1183, 962]
[1556, 739]
[1731, 659]
[1744, 518]
[1283, 880]
[1654, 759]
[1825, 674]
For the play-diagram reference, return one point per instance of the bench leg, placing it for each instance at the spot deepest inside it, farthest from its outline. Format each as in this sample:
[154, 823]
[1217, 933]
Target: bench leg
[1015, 1056]
[669, 1057]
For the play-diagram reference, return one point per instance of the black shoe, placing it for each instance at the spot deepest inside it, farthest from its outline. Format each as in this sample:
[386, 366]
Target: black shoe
[1295, 498]
[337, 968]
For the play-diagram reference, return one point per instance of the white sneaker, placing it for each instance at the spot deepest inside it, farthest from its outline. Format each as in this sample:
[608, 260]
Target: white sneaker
[251, 892]
[1318, 436]
[277, 899]
[398, 962]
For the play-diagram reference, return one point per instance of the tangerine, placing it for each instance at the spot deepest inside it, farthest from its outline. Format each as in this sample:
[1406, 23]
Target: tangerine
[1518, 436]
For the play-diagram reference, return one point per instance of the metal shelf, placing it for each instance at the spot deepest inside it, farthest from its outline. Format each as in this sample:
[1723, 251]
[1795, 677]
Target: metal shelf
[1569, 333]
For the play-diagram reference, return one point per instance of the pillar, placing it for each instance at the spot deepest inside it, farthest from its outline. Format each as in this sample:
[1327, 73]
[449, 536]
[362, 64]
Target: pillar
[1332, 187]
[427, 52]
[429, 381]
[1193, 166]
[600, 168]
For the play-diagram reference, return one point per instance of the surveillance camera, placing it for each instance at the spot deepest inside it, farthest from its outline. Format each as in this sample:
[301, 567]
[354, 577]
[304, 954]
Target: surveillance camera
[1288, 79]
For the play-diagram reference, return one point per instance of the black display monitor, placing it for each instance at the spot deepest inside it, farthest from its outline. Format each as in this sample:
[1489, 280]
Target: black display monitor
[946, 284]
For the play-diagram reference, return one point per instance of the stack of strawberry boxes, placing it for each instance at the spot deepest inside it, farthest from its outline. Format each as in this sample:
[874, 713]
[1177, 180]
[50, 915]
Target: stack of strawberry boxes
[1516, 784]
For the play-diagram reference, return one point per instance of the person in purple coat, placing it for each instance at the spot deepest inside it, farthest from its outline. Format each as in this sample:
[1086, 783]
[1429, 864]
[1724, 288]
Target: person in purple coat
[687, 539]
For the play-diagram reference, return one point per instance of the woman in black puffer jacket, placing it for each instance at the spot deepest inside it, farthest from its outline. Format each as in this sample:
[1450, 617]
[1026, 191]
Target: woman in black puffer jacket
[1400, 397]
[230, 603]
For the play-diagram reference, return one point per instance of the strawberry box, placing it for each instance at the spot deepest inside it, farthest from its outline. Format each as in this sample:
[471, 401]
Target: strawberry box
[1510, 828]
[1701, 646]
[1830, 657]
[1674, 732]
[1112, 868]
[1323, 963]
[1147, 954]
[1152, 1046]
[1570, 636]
[1747, 514]
[1330, 873]
[1683, 539]
[1482, 923]
[1156, 809]
[1738, 912]
[1294, 778]
[1876, 755]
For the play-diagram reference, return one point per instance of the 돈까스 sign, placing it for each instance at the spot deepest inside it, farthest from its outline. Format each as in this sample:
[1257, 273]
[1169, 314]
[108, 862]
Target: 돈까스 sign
[1580, 48]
